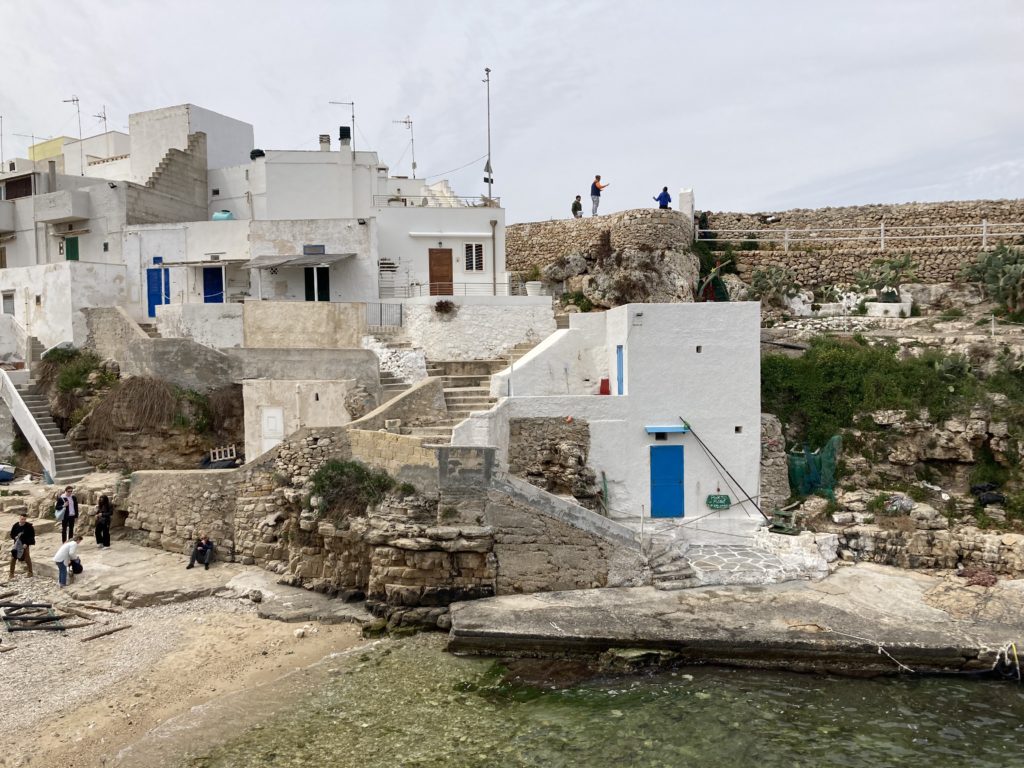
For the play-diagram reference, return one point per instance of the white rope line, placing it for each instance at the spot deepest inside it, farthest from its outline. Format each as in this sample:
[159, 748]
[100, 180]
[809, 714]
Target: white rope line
[881, 648]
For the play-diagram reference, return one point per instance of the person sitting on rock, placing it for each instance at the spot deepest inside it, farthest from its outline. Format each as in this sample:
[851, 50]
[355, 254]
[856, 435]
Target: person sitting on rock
[201, 552]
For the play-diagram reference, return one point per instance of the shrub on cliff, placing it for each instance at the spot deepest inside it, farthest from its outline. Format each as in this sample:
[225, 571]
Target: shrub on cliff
[823, 391]
[1001, 275]
[346, 488]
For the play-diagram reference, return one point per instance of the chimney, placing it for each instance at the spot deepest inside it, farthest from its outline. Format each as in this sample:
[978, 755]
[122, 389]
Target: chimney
[51, 176]
[344, 135]
[325, 142]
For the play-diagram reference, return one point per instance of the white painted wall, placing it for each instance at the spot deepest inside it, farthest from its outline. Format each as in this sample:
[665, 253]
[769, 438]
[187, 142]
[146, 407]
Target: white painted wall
[12, 340]
[351, 279]
[304, 404]
[213, 325]
[716, 390]
[482, 327]
[228, 141]
[93, 148]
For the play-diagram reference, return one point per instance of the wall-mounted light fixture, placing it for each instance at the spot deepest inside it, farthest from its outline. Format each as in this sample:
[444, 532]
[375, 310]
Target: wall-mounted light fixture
[439, 244]
[361, 221]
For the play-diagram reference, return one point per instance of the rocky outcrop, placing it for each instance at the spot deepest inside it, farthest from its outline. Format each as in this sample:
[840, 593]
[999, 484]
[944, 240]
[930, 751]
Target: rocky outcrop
[552, 453]
[633, 256]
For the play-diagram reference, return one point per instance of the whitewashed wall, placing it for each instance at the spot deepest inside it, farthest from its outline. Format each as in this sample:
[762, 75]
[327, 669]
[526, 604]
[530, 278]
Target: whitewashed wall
[213, 325]
[716, 390]
[303, 404]
[481, 328]
[12, 339]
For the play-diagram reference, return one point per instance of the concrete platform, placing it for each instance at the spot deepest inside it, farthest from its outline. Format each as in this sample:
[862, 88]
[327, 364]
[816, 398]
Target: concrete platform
[863, 620]
[133, 576]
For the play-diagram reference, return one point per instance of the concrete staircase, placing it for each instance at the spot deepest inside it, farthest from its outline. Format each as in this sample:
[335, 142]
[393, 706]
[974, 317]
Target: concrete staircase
[71, 467]
[467, 388]
[150, 330]
[520, 351]
[35, 352]
[670, 567]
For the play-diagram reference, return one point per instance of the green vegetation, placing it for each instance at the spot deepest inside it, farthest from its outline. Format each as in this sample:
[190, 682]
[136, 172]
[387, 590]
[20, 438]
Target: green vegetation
[884, 277]
[70, 369]
[1001, 275]
[773, 285]
[347, 488]
[951, 314]
[823, 391]
[579, 299]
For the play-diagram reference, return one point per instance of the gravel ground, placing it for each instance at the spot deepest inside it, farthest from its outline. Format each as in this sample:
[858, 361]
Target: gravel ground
[51, 673]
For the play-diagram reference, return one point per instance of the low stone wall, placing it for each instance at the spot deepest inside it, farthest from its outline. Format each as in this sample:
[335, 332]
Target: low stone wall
[401, 456]
[818, 263]
[421, 404]
[551, 453]
[774, 465]
[645, 229]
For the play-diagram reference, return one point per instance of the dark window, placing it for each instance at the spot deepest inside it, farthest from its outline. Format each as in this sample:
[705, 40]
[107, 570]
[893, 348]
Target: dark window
[739, 430]
[16, 188]
[318, 284]
[106, 247]
[661, 436]
[699, 349]
[3, 257]
[215, 192]
[474, 257]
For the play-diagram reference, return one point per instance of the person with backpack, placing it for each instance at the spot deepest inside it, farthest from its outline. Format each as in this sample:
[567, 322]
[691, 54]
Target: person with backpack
[67, 512]
[66, 559]
[104, 514]
[24, 535]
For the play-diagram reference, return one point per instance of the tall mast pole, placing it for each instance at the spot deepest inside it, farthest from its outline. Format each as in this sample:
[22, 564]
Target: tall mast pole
[81, 150]
[352, 105]
[487, 168]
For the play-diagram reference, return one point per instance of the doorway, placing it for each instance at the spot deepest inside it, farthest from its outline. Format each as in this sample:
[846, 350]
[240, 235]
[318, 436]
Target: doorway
[158, 289]
[271, 427]
[213, 285]
[667, 481]
[71, 248]
[318, 283]
[441, 272]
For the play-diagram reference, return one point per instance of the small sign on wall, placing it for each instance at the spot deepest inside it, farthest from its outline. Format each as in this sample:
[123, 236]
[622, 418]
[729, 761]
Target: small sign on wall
[718, 501]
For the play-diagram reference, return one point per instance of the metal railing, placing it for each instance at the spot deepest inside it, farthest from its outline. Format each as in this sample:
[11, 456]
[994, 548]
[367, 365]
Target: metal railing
[986, 234]
[427, 200]
[383, 315]
[450, 289]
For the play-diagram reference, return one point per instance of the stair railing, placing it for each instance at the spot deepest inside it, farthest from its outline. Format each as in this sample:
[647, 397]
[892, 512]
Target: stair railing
[29, 426]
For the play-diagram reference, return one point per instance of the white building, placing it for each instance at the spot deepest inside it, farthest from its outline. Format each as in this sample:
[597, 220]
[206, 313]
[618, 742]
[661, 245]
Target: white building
[183, 209]
[678, 436]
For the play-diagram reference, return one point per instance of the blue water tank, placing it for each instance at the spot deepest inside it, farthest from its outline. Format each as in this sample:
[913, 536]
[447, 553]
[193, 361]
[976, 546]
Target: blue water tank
[223, 215]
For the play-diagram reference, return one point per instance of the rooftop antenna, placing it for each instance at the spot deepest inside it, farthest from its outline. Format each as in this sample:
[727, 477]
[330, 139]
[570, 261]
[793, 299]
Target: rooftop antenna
[352, 105]
[81, 150]
[407, 122]
[1, 143]
[102, 116]
[488, 177]
[31, 136]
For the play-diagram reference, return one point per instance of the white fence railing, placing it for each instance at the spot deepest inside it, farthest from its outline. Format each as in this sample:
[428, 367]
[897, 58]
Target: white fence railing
[29, 427]
[986, 234]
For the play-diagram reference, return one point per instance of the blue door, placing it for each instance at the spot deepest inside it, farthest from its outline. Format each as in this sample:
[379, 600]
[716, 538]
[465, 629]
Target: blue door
[618, 369]
[158, 289]
[213, 285]
[666, 481]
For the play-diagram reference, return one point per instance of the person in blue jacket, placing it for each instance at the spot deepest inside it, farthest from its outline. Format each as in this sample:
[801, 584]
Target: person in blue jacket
[663, 199]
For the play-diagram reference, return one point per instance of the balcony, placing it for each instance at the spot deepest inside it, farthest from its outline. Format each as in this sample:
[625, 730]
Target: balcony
[62, 207]
[6, 216]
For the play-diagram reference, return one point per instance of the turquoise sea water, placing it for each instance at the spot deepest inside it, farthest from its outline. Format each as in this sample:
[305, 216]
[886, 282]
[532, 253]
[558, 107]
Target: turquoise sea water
[410, 704]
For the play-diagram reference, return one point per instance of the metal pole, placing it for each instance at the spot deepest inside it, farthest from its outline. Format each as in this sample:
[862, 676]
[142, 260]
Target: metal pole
[1, 143]
[984, 233]
[490, 179]
[81, 150]
[351, 104]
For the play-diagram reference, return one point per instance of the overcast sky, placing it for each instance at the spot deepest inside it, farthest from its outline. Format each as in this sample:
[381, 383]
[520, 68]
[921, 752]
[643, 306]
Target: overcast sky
[755, 104]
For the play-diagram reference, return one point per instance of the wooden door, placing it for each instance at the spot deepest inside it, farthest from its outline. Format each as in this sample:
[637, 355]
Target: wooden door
[441, 272]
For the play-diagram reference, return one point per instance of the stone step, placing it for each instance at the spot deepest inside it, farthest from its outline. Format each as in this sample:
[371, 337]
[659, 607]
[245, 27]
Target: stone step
[427, 431]
[481, 391]
[677, 568]
[668, 586]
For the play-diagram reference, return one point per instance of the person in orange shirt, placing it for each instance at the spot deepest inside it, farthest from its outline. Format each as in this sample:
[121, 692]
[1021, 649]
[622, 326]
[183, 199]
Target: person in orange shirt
[595, 192]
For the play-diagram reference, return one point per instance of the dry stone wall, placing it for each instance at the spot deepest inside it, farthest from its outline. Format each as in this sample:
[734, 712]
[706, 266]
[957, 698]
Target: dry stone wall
[774, 465]
[816, 262]
[551, 453]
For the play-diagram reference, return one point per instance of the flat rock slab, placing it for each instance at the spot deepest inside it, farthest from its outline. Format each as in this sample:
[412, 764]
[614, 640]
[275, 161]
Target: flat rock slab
[136, 576]
[864, 619]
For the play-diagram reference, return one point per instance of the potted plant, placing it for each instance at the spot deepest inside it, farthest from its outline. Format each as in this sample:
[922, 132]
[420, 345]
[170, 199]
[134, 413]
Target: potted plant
[534, 286]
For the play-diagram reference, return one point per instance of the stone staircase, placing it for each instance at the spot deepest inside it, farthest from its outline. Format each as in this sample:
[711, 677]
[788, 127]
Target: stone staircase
[671, 568]
[150, 330]
[71, 467]
[562, 321]
[467, 388]
[520, 351]
[35, 352]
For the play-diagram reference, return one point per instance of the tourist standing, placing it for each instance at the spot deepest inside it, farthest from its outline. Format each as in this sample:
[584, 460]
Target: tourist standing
[202, 552]
[67, 502]
[595, 192]
[577, 208]
[66, 555]
[663, 199]
[104, 514]
[24, 535]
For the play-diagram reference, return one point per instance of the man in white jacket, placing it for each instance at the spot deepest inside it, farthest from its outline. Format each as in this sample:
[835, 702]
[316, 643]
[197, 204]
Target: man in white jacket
[68, 551]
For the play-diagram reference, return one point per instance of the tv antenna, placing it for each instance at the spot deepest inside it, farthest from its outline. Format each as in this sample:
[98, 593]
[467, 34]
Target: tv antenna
[407, 122]
[81, 149]
[352, 105]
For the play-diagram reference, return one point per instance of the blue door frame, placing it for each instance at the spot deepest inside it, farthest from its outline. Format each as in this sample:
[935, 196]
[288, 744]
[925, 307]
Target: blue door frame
[619, 375]
[158, 288]
[667, 481]
[213, 285]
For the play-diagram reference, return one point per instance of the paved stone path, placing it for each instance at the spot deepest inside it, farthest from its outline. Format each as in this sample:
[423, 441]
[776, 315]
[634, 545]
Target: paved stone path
[716, 564]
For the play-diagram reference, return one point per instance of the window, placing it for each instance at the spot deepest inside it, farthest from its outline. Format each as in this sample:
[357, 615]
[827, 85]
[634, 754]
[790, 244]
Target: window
[739, 430]
[8, 302]
[699, 349]
[3, 257]
[106, 247]
[313, 250]
[474, 257]
[215, 192]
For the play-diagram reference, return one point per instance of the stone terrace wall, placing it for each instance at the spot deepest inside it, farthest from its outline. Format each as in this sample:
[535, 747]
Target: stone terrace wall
[825, 263]
[644, 229]
[401, 456]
